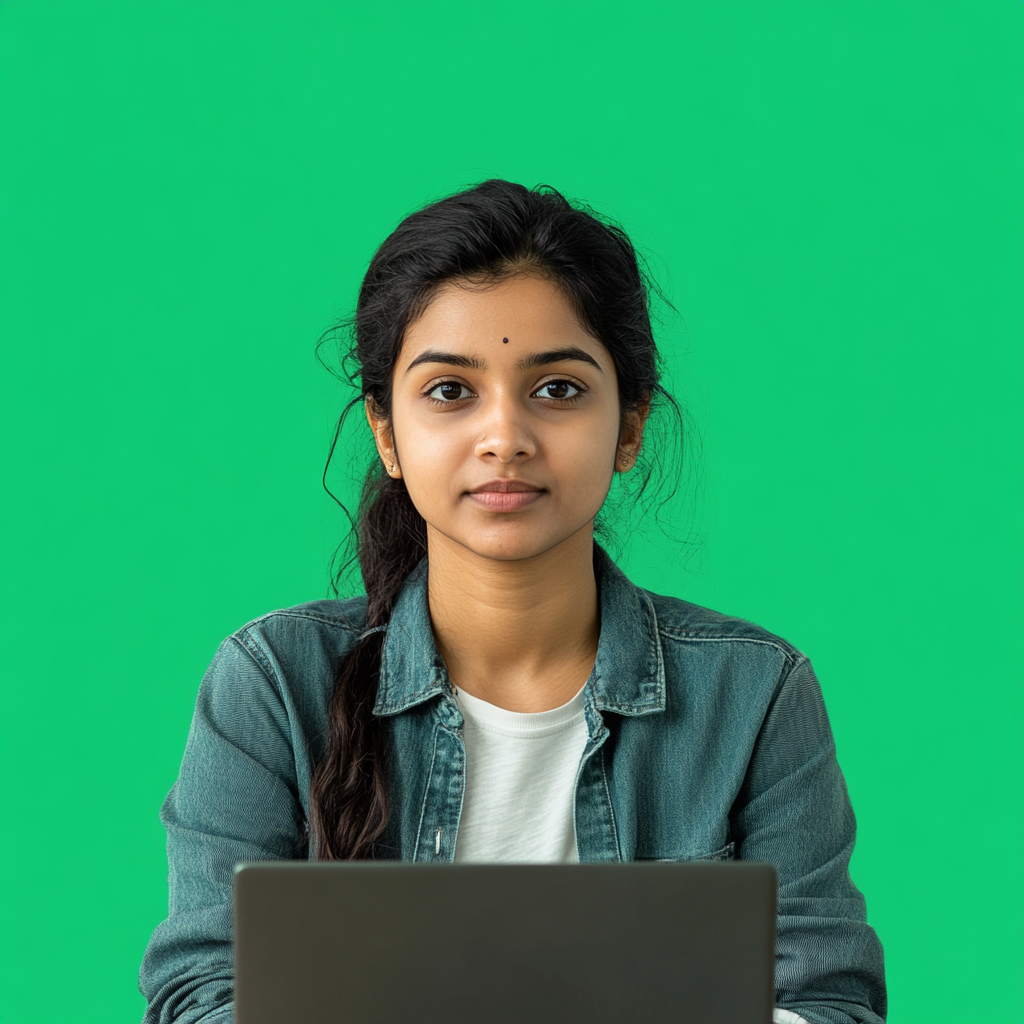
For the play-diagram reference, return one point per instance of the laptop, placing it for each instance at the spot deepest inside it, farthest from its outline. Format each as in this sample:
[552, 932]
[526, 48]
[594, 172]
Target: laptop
[400, 943]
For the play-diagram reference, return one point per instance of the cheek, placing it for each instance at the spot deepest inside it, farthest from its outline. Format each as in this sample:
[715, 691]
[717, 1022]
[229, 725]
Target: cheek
[428, 452]
[585, 458]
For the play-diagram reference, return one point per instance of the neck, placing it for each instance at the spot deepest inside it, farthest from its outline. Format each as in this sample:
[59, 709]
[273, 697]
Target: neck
[520, 634]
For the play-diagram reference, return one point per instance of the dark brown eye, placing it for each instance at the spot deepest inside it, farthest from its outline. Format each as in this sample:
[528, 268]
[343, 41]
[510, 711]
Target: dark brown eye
[557, 389]
[449, 391]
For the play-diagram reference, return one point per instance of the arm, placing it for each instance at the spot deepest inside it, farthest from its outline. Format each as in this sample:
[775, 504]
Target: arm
[236, 799]
[794, 812]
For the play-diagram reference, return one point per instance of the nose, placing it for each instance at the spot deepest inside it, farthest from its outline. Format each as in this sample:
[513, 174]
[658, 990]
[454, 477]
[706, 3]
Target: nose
[504, 435]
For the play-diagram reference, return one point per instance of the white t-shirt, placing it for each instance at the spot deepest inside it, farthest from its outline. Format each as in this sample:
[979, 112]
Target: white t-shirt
[520, 781]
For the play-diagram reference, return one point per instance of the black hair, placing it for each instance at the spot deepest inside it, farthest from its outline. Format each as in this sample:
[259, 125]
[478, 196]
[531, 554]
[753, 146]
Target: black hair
[492, 231]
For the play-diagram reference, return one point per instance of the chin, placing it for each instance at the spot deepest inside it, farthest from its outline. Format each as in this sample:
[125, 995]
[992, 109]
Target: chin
[506, 549]
[511, 542]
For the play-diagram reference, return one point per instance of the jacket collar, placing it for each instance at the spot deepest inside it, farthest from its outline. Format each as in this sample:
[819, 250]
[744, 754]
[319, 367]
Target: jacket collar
[629, 671]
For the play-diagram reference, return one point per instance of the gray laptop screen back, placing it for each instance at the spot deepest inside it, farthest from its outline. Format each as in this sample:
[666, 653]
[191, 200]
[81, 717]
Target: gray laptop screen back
[397, 943]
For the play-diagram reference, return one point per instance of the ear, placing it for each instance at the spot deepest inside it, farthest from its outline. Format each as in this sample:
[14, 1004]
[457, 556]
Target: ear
[383, 438]
[631, 437]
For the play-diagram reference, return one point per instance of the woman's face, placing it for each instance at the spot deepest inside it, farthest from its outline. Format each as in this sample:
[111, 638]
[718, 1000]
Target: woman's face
[505, 418]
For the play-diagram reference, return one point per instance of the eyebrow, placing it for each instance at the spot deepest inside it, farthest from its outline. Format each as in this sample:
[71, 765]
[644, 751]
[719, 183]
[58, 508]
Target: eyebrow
[450, 358]
[557, 355]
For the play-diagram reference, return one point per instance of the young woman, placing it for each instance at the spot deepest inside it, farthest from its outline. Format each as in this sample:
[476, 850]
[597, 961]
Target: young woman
[503, 692]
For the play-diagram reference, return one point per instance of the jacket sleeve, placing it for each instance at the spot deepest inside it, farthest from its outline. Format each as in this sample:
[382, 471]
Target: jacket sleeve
[235, 799]
[794, 812]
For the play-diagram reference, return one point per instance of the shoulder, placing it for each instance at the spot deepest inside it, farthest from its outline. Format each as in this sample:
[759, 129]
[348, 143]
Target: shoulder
[341, 618]
[684, 625]
[300, 646]
[718, 660]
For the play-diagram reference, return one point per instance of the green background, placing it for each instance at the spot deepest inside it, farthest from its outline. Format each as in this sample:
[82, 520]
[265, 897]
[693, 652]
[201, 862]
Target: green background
[830, 194]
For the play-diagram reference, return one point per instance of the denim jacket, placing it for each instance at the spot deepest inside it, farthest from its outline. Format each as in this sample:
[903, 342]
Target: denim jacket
[708, 740]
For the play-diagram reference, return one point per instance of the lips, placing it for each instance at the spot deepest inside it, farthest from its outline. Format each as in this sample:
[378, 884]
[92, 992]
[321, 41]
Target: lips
[506, 495]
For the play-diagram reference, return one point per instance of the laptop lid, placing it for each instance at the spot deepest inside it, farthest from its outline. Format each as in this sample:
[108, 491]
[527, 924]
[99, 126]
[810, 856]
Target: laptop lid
[396, 943]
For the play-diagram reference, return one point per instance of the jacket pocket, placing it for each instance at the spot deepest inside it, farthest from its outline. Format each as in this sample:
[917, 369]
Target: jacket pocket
[727, 852]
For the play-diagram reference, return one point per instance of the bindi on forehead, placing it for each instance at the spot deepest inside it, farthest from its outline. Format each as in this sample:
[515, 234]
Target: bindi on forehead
[504, 341]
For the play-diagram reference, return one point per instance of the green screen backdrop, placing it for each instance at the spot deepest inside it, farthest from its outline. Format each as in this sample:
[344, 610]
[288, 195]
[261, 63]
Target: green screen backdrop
[830, 194]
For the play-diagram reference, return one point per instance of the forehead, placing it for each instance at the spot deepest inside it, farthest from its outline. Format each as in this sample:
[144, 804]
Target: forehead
[474, 318]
